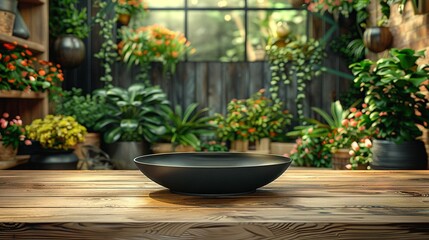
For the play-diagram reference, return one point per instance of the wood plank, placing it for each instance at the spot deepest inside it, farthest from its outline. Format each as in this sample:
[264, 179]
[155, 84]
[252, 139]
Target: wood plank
[165, 199]
[111, 213]
[183, 231]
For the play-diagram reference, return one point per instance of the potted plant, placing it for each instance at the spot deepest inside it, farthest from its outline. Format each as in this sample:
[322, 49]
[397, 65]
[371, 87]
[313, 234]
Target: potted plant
[183, 129]
[12, 132]
[251, 121]
[57, 135]
[87, 109]
[126, 9]
[132, 121]
[348, 139]
[153, 43]
[68, 26]
[396, 106]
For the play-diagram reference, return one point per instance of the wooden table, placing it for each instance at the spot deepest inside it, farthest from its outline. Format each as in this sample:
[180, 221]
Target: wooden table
[301, 204]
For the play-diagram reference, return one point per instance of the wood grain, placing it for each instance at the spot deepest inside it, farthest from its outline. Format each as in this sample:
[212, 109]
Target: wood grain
[301, 204]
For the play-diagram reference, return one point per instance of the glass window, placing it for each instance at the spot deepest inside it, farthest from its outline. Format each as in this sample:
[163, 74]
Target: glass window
[227, 30]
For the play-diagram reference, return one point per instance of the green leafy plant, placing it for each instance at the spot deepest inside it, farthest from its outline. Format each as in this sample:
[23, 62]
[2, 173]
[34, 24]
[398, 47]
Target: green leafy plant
[133, 114]
[87, 109]
[65, 18]
[294, 59]
[12, 131]
[56, 132]
[252, 119]
[130, 7]
[107, 53]
[393, 88]
[186, 127]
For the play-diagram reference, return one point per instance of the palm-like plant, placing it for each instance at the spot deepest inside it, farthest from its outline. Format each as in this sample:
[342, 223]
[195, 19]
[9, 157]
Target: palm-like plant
[133, 114]
[185, 127]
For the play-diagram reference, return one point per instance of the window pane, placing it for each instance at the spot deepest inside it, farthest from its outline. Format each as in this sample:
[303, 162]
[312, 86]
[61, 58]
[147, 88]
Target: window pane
[173, 20]
[262, 25]
[165, 3]
[269, 3]
[217, 35]
[215, 3]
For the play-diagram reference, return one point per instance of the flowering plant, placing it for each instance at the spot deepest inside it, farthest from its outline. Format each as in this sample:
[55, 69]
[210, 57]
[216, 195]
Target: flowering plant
[153, 43]
[394, 92]
[11, 131]
[56, 132]
[19, 70]
[130, 7]
[252, 119]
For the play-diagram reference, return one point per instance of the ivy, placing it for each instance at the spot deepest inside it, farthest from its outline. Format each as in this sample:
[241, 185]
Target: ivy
[294, 59]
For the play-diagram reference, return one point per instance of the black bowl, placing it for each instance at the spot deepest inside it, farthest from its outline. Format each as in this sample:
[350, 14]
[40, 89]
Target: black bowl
[212, 173]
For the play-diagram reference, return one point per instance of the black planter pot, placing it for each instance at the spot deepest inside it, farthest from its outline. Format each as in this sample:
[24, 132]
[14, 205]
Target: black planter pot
[7, 16]
[69, 51]
[405, 156]
[54, 160]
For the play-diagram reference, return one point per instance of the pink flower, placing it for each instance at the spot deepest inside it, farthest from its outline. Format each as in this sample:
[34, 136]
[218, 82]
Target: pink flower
[345, 122]
[27, 142]
[4, 124]
[368, 143]
[355, 146]
[353, 110]
[5, 115]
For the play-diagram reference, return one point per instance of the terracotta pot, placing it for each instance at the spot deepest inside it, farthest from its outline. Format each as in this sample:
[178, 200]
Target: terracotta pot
[281, 148]
[69, 51]
[340, 159]
[168, 147]
[7, 153]
[377, 39]
[124, 19]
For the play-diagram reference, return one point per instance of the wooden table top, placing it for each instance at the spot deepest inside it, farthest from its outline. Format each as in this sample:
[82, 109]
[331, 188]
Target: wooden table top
[301, 204]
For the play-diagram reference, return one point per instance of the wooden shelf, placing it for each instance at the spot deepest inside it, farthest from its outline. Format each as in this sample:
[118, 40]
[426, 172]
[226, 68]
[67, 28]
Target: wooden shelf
[21, 94]
[36, 48]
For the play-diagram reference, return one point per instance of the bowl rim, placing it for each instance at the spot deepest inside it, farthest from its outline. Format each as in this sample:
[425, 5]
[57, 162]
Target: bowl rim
[285, 160]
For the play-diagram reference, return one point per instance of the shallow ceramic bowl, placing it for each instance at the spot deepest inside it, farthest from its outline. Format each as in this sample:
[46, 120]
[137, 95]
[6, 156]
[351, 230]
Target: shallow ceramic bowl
[205, 173]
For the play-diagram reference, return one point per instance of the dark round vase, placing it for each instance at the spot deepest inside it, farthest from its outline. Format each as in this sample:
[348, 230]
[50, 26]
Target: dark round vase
[377, 39]
[54, 160]
[69, 51]
[404, 156]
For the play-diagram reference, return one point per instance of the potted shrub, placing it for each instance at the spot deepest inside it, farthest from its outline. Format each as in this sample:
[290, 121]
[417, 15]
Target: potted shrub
[183, 129]
[396, 106]
[126, 9]
[57, 135]
[132, 121]
[87, 109]
[12, 132]
[253, 122]
[68, 26]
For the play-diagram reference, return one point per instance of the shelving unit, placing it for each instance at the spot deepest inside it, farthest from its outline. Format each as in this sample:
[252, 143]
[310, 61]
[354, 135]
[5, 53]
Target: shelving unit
[29, 105]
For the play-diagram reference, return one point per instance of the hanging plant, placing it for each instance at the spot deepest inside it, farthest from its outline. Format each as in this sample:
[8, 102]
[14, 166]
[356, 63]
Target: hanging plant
[297, 59]
[106, 19]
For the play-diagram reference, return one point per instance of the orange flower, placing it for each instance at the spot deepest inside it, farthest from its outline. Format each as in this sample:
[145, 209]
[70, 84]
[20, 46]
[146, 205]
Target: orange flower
[252, 130]
[42, 72]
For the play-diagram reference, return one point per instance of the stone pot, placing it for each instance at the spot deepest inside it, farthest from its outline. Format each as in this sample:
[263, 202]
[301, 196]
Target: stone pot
[54, 160]
[404, 156]
[122, 154]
